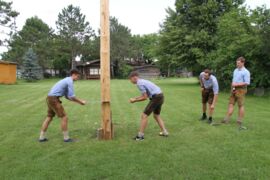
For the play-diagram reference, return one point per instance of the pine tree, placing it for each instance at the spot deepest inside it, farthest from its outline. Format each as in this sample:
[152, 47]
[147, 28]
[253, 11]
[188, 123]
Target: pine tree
[74, 31]
[7, 20]
[31, 69]
[37, 35]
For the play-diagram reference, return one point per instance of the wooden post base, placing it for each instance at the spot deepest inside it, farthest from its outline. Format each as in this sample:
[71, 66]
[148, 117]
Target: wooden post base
[102, 135]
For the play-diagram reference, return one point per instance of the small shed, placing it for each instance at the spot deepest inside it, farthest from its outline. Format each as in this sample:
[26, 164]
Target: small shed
[8, 72]
[183, 72]
[90, 69]
[147, 71]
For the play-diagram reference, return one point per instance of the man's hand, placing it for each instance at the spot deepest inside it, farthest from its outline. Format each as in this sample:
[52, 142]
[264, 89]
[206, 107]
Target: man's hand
[143, 97]
[233, 90]
[212, 106]
[132, 100]
[83, 102]
[76, 100]
[202, 89]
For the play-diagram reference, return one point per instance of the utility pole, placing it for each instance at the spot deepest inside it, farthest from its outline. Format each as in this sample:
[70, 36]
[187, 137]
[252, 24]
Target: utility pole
[106, 131]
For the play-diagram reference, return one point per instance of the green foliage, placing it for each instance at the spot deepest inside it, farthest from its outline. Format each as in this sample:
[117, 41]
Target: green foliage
[6, 13]
[195, 35]
[120, 45]
[31, 69]
[91, 49]
[74, 31]
[60, 54]
[7, 19]
[234, 38]
[213, 34]
[124, 71]
[242, 35]
[35, 34]
[74, 37]
[144, 47]
[261, 63]
[188, 34]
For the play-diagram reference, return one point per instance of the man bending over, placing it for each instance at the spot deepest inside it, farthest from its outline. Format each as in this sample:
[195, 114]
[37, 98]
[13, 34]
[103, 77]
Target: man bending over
[63, 87]
[155, 95]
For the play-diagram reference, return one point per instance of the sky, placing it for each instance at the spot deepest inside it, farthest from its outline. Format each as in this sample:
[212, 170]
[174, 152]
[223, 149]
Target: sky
[141, 16]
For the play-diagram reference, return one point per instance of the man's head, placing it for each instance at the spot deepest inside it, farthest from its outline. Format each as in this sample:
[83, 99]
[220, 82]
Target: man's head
[207, 74]
[133, 77]
[74, 74]
[240, 62]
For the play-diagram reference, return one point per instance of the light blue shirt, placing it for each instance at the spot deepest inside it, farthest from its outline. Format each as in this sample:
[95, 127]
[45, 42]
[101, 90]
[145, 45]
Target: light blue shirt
[241, 76]
[148, 87]
[63, 87]
[211, 83]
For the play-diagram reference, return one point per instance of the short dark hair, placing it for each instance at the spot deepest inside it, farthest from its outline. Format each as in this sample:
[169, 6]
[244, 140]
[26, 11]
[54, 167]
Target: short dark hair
[207, 71]
[133, 74]
[74, 71]
[241, 59]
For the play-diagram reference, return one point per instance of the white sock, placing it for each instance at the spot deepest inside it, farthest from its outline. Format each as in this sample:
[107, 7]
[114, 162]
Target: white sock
[140, 134]
[42, 135]
[66, 136]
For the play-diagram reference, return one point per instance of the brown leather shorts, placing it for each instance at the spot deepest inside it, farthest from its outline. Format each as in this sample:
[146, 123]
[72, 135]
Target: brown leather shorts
[238, 96]
[154, 105]
[207, 96]
[55, 107]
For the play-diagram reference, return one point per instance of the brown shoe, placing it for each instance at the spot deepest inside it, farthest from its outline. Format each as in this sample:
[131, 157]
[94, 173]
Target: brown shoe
[225, 121]
[239, 123]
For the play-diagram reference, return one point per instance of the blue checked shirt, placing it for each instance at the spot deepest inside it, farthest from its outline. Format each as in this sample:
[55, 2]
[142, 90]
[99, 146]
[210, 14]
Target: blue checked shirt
[241, 76]
[211, 83]
[63, 87]
[148, 87]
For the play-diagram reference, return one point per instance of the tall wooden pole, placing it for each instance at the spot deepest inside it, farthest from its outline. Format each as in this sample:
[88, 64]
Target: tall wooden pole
[106, 130]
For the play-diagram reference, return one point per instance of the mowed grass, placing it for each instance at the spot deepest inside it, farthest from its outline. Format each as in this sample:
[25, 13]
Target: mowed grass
[194, 150]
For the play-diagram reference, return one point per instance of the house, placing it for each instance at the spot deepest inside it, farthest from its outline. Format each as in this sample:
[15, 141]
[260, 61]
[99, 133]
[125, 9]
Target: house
[147, 71]
[183, 72]
[49, 72]
[8, 72]
[90, 69]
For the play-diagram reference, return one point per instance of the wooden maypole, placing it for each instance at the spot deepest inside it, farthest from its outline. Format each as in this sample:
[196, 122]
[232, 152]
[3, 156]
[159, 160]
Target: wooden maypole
[106, 131]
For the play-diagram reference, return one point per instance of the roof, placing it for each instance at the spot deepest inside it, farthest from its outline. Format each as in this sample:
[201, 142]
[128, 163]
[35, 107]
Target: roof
[87, 63]
[80, 63]
[7, 62]
[146, 66]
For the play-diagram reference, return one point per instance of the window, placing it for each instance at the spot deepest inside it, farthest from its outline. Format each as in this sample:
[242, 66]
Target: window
[94, 71]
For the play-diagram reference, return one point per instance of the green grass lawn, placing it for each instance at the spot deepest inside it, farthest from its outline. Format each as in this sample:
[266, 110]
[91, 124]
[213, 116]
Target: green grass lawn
[194, 149]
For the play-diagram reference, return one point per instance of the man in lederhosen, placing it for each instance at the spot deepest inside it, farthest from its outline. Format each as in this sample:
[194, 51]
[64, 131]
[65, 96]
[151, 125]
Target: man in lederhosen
[62, 88]
[241, 79]
[209, 89]
[154, 93]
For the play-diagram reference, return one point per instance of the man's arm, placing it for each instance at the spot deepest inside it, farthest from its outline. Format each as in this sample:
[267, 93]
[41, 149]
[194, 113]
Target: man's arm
[71, 96]
[143, 97]
[76, 100]
[201, 82]
[216, 90]
[200, 79]
[214, 101]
